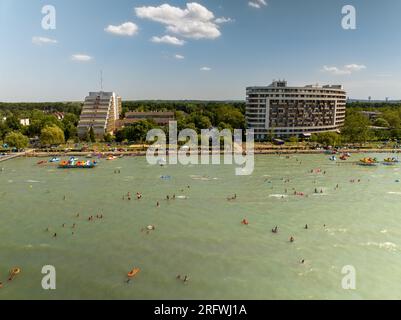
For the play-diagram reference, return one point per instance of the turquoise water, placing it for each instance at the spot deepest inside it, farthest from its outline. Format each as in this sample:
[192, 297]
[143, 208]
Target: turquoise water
[202, 236]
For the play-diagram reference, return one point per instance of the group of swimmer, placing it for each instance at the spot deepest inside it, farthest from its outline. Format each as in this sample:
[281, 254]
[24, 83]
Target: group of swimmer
[184, 279]
[74, 225]
[128, 196]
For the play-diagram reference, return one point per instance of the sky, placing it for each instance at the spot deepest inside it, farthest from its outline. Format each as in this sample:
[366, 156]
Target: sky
[205, 49]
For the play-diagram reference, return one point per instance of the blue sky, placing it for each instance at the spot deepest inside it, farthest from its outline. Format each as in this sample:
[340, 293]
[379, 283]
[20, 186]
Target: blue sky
[208, 49]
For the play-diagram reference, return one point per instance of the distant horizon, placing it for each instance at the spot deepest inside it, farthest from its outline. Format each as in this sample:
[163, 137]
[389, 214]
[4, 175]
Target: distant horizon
[189, 100]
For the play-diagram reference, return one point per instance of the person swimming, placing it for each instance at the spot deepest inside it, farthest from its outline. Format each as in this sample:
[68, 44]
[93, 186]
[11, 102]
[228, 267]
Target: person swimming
[306, 227]
[292, 239]
[275, 230]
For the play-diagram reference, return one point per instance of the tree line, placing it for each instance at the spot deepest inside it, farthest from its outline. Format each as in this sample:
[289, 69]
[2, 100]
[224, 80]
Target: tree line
[196, 115]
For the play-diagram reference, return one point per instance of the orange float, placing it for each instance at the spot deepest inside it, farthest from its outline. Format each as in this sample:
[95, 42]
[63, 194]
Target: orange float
[133, 273]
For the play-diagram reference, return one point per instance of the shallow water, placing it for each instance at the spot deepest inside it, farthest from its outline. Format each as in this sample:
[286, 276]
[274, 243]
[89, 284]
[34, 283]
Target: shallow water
[200, 233]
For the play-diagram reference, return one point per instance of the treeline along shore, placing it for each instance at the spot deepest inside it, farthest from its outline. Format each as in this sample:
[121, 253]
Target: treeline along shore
[370, 125]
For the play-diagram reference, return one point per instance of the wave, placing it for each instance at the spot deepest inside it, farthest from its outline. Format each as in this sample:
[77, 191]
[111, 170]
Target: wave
[389, 246]
[278, 196]
[201, 178]
[394, 192]
[333, 231]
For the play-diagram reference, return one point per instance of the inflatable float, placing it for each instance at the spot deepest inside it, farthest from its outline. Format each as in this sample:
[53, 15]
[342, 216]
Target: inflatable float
[133, 273]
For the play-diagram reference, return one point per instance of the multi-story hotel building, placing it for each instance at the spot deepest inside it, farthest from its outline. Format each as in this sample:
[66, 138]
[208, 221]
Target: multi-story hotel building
[101, 111]
[281, 111]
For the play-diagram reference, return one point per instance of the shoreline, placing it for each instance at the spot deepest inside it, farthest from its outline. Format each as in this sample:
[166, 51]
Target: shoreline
[42, 154]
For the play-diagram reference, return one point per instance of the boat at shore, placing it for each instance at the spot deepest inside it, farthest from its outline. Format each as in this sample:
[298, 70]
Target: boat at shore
[368, 162]
[77, 165]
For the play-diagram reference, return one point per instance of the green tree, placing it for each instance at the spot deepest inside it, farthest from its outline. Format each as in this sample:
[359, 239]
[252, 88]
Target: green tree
[92, 136]
[327, 138]
[230, 115]
[223, 125]
[380, 122]
[16, 139]
[13, 123]
[139, 130]
[52, 135]
[120, 135]
[70, 131]
[108, 138]
[356, 128]
[4, 129]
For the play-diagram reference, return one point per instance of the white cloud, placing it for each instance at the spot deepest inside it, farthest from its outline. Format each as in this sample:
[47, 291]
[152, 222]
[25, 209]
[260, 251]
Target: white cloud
[168, 40]
[81, 57]
[179, 57]
[42, 40]
[347, 69]
[205, 69]
[355, 67]
[195, 21]
[257, 3]
[125, 29]
[223, 20]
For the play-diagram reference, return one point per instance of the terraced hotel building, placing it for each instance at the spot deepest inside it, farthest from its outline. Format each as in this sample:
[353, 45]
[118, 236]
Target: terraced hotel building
[281, 111]
[101, 111]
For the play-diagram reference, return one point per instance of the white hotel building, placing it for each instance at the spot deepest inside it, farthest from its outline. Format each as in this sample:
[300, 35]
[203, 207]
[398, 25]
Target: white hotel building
[281, 111]
[101, 111]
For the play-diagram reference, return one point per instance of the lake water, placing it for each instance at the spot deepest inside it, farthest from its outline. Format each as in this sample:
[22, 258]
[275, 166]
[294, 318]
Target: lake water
[200, 234]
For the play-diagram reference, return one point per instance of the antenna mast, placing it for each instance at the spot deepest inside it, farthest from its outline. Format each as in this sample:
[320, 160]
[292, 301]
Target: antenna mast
[101, 80]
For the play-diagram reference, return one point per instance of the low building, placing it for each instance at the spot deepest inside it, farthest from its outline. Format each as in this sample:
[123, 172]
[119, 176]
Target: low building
[281, 111]
[160, 118]
[24, 122]
[371, 115]
[101, 111]
[59, 115]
